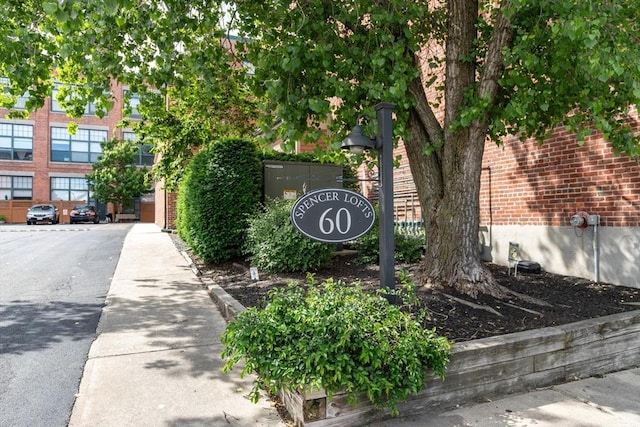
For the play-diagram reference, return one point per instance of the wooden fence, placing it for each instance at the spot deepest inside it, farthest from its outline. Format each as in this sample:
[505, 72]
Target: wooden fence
[15, 211]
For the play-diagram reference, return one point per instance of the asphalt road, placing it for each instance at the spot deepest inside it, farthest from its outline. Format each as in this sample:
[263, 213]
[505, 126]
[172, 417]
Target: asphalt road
[53, 283]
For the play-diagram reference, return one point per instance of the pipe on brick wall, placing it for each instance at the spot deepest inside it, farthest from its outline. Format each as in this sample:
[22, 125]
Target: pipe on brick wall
[596, 254]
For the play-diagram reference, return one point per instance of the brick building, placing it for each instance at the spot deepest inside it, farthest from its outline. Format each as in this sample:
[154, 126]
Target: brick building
[529, 193]
[40, 161]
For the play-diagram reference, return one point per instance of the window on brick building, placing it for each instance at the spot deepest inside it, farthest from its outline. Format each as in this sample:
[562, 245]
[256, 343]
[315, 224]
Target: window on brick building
[69, 188]
[145, 156]
[16, 187]
[83, 147]
[89, 109]
[20, 101]
[16, 142]
[132, 103]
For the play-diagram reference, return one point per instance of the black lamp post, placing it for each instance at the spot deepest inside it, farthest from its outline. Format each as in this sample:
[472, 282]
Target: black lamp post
[357, 143]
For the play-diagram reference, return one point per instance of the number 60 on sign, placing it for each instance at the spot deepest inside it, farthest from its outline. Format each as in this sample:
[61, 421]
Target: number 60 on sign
[333, 215]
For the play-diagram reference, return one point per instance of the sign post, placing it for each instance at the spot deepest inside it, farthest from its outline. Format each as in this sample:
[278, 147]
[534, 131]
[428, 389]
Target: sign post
[357, 143]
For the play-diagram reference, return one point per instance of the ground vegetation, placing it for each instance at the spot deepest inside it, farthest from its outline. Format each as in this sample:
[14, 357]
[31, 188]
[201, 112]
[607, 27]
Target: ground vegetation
[540, 300]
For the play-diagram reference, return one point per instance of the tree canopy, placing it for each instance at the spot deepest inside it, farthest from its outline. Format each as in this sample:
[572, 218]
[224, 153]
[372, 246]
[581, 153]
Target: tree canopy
[571, 62]
[161, 51]
[459, 71]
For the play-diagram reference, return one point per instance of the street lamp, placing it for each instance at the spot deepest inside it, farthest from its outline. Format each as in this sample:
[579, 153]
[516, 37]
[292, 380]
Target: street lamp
[357, 143]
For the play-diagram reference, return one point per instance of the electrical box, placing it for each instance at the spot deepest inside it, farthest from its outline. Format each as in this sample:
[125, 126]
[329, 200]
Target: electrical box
[593, 220]
[291, 180]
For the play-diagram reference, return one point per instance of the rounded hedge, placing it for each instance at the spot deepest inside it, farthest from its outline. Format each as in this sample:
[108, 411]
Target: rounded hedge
[222, 186]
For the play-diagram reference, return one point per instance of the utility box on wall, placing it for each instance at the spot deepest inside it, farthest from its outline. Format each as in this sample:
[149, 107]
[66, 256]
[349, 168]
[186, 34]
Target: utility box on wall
[290, 180]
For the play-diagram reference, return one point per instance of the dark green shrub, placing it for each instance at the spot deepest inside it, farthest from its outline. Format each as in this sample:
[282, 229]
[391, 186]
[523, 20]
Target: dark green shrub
[274, 245]
[408, 249]
[221, 187]
[336, 338]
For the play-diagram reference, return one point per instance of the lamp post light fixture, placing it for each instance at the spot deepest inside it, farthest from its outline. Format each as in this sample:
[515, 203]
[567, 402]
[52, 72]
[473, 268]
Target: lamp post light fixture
[357, 143]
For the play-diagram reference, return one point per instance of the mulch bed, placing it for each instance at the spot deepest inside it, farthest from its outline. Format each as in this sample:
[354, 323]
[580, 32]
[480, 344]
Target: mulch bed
[458, 317]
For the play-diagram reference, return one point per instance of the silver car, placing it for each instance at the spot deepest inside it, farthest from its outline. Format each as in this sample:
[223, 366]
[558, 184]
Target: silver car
[43, 213]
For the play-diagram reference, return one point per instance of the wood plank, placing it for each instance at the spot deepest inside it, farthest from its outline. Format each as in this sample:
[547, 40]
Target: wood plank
[506, 347]
[445, 400]
[493, 367]
[604, 364]
[484, 374]
[585, 352]
[580, 333]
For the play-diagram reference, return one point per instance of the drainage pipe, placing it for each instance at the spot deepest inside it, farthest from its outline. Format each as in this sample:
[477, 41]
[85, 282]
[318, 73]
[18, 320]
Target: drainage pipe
[596, 253]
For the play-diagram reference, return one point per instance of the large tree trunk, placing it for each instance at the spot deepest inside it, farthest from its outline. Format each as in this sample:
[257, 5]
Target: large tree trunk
[446, 160]
[449, 193]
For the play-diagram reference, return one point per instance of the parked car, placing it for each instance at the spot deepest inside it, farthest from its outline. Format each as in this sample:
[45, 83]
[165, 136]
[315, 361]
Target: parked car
[84, 213]
[42, 213]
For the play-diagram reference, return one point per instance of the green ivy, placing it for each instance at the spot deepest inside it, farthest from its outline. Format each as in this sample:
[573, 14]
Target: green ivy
[336, 338]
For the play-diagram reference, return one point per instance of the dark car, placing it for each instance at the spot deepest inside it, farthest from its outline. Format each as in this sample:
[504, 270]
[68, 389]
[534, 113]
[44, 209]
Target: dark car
[42, 213]
[84, 213]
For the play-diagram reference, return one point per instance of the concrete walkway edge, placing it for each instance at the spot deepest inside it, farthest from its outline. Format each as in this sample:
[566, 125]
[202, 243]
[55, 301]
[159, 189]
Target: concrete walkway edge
[156, 359]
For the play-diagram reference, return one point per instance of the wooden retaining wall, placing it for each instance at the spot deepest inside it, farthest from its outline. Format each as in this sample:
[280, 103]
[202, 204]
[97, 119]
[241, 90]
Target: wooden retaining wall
[486, 368]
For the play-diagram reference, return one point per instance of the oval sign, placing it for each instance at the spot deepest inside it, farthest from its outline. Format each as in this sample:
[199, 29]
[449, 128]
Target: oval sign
[333, 215]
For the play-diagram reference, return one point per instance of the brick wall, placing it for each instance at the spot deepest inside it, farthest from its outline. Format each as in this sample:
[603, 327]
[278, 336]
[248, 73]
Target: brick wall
[523, 183]
[165, 208]
[527, 184]
[41, 167]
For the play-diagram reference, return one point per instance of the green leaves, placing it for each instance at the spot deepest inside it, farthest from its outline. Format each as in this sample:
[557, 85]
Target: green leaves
[50, 6]
[359, 53]
[221, 188]
[275, 245]
[335, 337]
[115, 177]
[573, 62]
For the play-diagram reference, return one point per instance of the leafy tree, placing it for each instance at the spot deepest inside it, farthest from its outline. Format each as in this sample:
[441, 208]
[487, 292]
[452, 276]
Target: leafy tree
[492, 68]
[197, 115]
[160, 50]
[116, 178]
[460, 72]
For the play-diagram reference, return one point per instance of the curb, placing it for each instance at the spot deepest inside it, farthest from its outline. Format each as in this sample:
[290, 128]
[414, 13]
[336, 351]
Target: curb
[228, 305]
[192, 265]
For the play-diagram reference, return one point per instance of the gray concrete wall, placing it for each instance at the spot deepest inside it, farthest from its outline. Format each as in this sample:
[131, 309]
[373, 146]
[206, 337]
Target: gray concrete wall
[569, 251]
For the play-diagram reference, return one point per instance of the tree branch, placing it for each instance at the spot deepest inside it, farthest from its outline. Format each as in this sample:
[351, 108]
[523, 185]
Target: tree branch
[501, 37]
[425, 113]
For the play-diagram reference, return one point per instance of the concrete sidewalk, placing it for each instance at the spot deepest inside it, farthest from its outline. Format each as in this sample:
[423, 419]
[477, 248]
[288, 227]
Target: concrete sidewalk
[611, 401]
[156, 360]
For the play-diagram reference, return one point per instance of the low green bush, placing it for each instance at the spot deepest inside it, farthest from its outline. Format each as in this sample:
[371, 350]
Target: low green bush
[274, 245]
[336, 338]
[407, 249]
